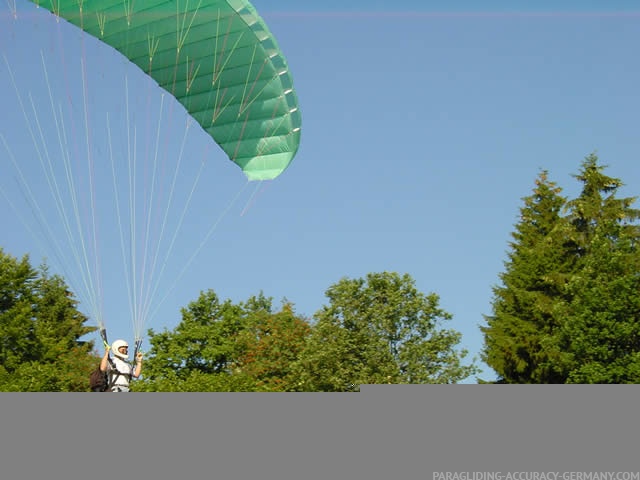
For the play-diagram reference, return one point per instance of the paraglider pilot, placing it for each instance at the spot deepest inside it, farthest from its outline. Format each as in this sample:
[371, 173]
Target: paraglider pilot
[119, 370]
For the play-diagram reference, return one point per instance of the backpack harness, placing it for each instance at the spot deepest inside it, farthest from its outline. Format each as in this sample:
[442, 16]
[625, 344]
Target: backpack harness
[114, 374]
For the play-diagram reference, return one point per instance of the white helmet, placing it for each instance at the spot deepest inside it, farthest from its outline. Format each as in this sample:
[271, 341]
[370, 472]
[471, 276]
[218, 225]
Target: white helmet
[115, 348]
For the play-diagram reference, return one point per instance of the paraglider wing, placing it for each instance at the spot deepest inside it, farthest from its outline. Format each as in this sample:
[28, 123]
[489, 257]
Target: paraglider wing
[218, 59]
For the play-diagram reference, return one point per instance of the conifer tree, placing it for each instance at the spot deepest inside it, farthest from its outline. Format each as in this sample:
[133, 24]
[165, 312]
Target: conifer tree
[40, 331]
[517, 335]
[601, 333]
[568, 309]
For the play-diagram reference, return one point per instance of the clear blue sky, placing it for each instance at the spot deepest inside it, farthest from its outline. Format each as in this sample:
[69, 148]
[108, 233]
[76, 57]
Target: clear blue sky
[423, 127]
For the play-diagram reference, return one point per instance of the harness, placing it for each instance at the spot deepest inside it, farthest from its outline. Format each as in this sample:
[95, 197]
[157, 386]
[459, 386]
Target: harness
[114, 374]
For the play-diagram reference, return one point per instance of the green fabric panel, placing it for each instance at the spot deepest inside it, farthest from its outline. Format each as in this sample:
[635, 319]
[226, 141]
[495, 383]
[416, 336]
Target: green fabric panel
[217, 58]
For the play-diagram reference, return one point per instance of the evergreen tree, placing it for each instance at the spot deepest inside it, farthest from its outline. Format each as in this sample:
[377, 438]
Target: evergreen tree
[40, 331]
[567, 309]
[597, 211]
[602, 320]
[517, 335]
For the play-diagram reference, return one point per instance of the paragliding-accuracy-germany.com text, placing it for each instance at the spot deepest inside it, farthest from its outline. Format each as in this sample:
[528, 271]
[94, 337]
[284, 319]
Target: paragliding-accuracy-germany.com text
[536, 476]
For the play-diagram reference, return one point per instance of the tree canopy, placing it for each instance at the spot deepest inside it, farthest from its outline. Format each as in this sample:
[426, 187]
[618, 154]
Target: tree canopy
[567, 308]
[225, 346]
[375, 330]
[40, 331]
[380, 329]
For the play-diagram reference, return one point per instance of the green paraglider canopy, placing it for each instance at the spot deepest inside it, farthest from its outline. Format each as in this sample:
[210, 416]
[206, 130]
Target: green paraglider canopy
[218, 59]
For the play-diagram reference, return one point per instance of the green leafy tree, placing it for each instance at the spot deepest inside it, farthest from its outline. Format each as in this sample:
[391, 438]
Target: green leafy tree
[380, 329]
[202, 346]
[222, 346]
[40, 331]
[196, 381]
[518, 336]
[272, 343]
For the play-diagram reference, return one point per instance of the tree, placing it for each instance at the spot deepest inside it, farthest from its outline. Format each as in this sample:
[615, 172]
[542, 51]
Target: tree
[567, 310]
[40, 331]
[379, 329]
[601, 333]
[524, 317]
[272, 343]
[201, 346]
[222, 346]
[597, 211]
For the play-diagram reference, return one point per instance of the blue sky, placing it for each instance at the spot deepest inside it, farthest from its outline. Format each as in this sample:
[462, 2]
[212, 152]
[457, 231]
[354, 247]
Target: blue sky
[423, 127]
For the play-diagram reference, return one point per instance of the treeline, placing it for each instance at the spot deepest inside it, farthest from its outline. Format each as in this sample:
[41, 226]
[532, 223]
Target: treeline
[374, 330]
[565, 310]
[379, 329]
